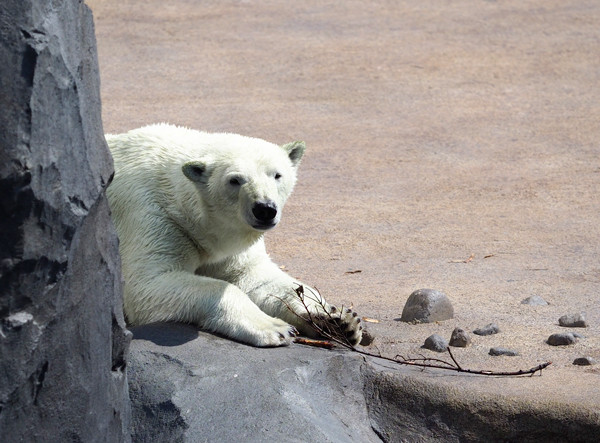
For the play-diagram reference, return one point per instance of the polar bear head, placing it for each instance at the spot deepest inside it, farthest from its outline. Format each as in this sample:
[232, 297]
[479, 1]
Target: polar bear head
[244, 182]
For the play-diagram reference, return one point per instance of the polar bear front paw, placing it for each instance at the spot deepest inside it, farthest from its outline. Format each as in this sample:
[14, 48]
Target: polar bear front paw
[271, 333]
[343, 324]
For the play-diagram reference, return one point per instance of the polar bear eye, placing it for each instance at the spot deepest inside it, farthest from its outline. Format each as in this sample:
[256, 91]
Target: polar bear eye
[234, 181]
[277, 176]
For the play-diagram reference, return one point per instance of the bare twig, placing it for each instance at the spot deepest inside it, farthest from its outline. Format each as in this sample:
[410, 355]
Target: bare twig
[316, 343]
[329, 328]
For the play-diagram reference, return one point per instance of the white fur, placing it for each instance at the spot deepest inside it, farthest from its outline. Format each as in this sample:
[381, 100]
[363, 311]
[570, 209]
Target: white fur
[192, 249]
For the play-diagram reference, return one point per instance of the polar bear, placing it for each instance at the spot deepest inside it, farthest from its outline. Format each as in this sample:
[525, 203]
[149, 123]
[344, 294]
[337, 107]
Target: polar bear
[191, 209]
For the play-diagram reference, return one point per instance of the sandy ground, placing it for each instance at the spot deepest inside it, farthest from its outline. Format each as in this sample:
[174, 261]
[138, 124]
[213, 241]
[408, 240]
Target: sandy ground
[451, 145]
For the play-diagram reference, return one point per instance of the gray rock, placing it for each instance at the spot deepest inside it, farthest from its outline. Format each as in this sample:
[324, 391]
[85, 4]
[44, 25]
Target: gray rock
[573, 321]
[62, 336]
[436, 343]
[488, 329]
[191, 386]
[426, 306]
[562, 339]
[496, 351]
[460, 338]
[584, 361]
[535, 300]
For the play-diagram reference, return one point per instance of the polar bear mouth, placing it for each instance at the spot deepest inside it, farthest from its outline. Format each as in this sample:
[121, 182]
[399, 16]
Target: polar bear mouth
[264, 227]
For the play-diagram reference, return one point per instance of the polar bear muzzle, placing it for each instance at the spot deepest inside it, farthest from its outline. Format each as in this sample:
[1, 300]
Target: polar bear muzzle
[266, 215]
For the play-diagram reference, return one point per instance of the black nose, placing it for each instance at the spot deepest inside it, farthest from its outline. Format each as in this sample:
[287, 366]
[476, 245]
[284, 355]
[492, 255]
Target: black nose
[265, 212]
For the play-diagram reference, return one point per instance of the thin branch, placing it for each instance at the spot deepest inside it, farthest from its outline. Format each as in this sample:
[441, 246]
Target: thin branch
[452, 357]
[329, 328]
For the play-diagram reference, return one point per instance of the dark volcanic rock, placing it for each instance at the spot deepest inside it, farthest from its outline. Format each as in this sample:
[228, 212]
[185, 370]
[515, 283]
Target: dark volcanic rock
[63, 340]
[584, 361]
[436, 343]
[572, 321]
[367, 337]
[488, 329]
[496, 351]
[562, 339]
[460, 338]
[426, 306]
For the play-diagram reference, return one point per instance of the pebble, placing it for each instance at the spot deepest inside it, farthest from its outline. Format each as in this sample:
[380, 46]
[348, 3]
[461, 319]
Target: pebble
[460, 338]
[490, 329]
[367, 338]
[573, 321]
[427, 306]
[584, 361]
[436, 343]
[502, 351]
[562, 339]
[535, 300]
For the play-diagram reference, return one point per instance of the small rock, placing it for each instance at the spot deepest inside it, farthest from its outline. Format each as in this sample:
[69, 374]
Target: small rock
[367, 338]
[535, 300]
[436, 343]
[584, 361]
[490, 329]
[502, 351]
[562, 339]
[572, 321]
[460, 338]
[427, 306]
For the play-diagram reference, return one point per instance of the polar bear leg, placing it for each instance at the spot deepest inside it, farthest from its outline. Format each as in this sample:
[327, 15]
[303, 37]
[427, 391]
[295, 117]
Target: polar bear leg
[212, 304]
[274, 292]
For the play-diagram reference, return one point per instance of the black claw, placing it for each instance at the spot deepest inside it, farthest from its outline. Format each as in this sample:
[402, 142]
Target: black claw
[358, 320]
[333, 309]
[294, 332]
[354, 314]
[348, 311]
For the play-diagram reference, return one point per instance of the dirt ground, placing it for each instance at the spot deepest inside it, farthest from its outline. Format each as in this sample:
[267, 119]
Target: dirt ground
[451, 145]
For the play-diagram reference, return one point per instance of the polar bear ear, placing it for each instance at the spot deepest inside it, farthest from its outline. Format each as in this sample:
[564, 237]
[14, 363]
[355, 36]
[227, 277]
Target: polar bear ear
[295, 151]
[195, 171]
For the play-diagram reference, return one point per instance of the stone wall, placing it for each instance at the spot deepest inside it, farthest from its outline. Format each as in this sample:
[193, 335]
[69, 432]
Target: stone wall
[62, 334]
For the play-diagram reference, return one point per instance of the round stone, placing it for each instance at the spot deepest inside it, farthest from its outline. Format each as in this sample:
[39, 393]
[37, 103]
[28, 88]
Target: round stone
[573, 321]
[460, 338]
[584, 361]
[426, 306]
[502, 351]
[562, 339]
[436, 343]
[489, 329]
